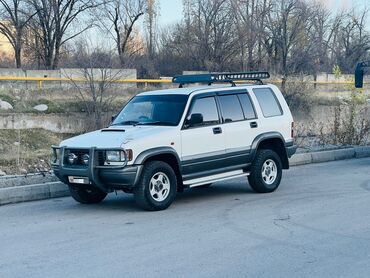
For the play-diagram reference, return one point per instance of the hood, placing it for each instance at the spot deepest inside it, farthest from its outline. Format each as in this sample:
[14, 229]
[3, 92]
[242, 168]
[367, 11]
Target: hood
[113, 137]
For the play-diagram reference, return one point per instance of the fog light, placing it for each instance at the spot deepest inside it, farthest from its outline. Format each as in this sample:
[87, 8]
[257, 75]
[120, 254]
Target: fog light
[72, 158]
[85, 159]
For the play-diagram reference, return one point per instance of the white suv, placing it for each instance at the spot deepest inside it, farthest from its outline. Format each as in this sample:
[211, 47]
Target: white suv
[164, 141]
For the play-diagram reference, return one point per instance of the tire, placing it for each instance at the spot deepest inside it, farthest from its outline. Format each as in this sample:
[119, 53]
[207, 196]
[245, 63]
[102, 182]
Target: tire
[157, 187]
[87, 194]
[265, 180]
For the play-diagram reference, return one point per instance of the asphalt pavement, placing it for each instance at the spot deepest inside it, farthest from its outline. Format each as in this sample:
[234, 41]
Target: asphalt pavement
[317, 224]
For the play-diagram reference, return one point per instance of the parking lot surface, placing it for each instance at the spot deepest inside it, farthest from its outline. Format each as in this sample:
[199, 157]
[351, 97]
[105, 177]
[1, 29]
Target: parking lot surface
[317, 224]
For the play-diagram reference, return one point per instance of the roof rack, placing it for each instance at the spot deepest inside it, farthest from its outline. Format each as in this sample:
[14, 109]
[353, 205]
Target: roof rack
[228, 77]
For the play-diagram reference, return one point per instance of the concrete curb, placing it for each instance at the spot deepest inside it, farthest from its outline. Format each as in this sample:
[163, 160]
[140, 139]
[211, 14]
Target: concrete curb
[326, 156]
[33, 192]
[16, 194]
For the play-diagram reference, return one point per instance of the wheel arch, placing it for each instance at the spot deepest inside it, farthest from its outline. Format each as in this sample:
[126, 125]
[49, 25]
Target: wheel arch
[274, 141]
[165, 154]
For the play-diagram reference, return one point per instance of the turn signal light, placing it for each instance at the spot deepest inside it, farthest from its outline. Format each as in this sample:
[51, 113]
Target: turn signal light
[130, 154]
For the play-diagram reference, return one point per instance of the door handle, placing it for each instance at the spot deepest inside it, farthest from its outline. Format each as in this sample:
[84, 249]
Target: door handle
[217, 130]
[253, 124]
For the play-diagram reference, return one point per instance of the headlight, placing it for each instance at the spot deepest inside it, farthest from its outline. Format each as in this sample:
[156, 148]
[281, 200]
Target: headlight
[115, 156]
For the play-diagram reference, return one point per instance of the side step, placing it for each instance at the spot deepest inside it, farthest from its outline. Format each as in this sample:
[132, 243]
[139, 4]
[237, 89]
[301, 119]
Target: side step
[215, 178]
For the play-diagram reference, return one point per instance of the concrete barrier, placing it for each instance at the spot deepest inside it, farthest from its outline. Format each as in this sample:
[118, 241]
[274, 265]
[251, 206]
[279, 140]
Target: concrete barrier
[58, 123]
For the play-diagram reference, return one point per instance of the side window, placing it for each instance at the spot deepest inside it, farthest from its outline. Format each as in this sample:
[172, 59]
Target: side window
[203, 113]
[231, 109]
[247, 106]
[268, 102]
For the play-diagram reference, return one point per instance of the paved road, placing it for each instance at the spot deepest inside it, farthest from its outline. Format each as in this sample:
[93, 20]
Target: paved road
[316, 225]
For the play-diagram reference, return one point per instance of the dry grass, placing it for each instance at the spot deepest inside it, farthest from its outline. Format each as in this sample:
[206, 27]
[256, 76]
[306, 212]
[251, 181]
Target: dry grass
[27, 150]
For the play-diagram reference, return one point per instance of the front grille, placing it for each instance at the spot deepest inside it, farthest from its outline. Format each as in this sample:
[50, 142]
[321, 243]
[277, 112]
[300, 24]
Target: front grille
[78, 153]
[101, 157]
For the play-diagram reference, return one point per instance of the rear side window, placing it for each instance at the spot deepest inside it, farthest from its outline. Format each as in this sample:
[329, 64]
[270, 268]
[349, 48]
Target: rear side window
[268, 102]
[247, 106]
[231, 109]
[207, 107]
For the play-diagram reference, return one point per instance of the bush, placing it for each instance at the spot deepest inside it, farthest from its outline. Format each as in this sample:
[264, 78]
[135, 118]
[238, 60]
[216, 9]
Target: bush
[351, 125]
[298, 96]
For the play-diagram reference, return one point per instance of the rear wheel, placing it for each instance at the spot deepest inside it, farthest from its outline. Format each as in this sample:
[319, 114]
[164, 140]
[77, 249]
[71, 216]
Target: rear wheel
[157, 187]
[266, 171]
[87, 194]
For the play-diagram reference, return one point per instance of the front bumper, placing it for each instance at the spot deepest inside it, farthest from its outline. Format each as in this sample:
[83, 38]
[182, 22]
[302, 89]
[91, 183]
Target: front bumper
[105, 177]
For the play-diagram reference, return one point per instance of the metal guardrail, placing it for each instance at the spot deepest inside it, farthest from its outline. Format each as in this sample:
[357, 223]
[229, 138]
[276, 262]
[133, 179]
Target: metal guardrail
[40, 80]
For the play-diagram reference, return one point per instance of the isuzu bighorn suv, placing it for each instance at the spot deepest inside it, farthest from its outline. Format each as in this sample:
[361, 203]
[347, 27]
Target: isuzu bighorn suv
[164, 141]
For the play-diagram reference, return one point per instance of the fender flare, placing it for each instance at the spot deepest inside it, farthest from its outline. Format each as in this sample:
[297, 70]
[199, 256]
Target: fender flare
[265, 136]
[145, 155]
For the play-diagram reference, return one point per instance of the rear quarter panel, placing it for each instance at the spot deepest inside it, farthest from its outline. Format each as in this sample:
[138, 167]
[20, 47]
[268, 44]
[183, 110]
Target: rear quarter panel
[281, 124]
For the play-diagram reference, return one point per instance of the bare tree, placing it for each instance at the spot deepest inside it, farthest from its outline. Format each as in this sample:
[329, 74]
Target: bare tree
[151, 16]
[118, 18]
[13, 23]
[351, 41]
[97, 91]
[249, 24]
[288, 23]
[52, 26]
[208, 40]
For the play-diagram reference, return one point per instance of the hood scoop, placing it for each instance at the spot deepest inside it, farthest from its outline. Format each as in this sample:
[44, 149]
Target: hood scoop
[113, 130]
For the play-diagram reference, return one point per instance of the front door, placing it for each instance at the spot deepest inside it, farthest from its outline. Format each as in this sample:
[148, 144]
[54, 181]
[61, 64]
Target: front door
[202, 139]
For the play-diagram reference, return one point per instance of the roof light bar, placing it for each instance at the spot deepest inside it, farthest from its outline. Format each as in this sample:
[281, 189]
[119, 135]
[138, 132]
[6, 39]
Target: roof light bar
[221, 77]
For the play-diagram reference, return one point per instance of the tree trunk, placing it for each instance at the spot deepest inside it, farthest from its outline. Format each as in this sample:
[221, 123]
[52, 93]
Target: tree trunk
[56, 54]
[18, 59]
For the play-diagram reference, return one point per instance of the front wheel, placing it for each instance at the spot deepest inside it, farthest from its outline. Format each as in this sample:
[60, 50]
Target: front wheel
[266, 171]
[87, 194]
[156, 189]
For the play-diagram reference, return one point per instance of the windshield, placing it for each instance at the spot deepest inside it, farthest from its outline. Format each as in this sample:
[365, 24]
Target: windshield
[152, 110]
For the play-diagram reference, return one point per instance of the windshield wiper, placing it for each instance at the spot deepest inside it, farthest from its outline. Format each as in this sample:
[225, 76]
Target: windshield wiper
[126, 123]
[155, 123]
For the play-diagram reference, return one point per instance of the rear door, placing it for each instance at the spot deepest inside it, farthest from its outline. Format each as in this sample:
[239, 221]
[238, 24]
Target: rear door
[240, 124]
[203, 143]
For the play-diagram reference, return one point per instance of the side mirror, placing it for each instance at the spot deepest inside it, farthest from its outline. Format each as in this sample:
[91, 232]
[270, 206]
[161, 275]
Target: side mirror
[195, 119]
[114, 117]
